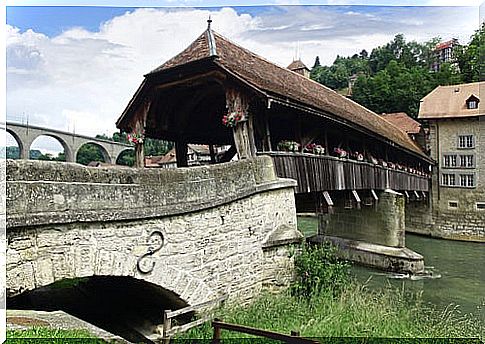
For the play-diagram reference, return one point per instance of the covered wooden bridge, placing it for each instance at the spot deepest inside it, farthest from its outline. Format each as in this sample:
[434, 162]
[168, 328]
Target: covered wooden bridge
[220, 94]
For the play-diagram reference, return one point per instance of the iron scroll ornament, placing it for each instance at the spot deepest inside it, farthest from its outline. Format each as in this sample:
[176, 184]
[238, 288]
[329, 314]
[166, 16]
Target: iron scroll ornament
[151, 251]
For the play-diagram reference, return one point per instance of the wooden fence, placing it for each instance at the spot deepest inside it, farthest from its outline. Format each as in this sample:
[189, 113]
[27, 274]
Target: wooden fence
[325, 173]
[169, 331]
[294, 338]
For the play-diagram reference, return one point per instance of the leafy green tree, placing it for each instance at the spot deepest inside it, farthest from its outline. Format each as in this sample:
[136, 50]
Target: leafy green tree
[12, 152]
[89, 152]
[395, 76]
[471, 57]
[317, 62]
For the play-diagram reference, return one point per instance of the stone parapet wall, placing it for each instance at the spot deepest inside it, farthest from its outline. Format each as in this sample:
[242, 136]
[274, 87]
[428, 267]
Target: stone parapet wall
[455, 225]
[236, 239]
[46, 192]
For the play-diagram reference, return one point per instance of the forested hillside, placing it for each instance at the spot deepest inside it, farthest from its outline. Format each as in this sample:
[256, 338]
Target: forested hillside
[394, 77]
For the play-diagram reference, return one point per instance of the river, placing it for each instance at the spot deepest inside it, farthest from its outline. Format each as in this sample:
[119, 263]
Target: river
[456, 272]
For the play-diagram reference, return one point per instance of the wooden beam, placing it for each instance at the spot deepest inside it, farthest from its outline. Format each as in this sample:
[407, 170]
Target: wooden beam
[139, 155]
[181, 149]
[218, 76]
[243, 131]
[229, 154]
[212, 153]
[268, 133]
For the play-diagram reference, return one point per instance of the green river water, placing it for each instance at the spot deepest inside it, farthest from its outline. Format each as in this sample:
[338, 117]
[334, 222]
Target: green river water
[456, 272]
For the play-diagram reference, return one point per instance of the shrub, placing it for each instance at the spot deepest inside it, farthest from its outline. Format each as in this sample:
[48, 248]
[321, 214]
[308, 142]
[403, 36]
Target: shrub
[318, 269]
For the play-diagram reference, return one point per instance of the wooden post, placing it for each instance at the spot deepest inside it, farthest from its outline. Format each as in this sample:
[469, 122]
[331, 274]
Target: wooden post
[243, 131]
[327, 148]
[181, 150]
[167, 324]
[268, 134]
[216, 339]
[139, 127]
[212, 153]
[139, 155]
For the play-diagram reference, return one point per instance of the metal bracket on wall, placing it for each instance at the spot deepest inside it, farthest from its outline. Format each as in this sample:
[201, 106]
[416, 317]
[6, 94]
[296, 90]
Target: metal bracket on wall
[151, 251]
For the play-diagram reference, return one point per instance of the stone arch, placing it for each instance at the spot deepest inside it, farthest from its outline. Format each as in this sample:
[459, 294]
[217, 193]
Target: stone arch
[65, 146]
[19, 141]
[104, 152]
[120, 153]
[40, 266]
[130, 307]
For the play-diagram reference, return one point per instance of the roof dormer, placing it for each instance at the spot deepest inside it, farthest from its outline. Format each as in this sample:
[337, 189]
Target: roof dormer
[472, 102]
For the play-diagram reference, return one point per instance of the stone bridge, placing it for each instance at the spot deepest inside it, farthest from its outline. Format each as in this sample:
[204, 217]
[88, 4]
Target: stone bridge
[26, 134]
[197, 233]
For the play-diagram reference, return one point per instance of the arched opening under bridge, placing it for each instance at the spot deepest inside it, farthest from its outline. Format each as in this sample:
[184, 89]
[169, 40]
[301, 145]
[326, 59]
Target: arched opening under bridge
[128, 307]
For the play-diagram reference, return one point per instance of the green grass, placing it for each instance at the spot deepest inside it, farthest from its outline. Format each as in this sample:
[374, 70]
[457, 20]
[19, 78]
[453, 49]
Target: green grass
[357, 312]
[50, 335]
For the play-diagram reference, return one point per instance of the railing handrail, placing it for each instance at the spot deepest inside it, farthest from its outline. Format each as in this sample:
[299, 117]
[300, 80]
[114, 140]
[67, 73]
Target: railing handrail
[168, 330]
[293, 339]
[172, 314]
[334, 158]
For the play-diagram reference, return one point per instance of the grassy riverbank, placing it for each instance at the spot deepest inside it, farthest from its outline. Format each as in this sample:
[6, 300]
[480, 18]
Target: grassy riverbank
[325, 302]
[50, 335]
[357, 312]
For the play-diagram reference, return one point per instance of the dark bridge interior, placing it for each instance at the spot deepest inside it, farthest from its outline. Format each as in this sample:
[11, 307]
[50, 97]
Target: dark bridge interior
[125, 306]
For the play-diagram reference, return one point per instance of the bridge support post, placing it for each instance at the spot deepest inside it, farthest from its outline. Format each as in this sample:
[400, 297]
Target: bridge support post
[24, 151]
[372, 235]
[237, 105]
[181, 150]
[139, 155]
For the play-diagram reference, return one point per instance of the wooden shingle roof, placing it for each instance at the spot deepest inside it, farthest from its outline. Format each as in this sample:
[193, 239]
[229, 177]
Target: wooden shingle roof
[282, 83]
[403, 122]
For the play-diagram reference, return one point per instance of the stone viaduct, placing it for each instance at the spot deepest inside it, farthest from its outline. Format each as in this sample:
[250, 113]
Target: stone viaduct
[197, 233]
[26, 134]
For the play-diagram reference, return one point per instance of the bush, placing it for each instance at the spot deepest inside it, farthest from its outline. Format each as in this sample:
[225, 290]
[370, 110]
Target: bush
[318, 269]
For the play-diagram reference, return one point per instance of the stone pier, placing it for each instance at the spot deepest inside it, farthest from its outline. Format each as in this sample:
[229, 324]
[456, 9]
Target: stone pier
[373, 235]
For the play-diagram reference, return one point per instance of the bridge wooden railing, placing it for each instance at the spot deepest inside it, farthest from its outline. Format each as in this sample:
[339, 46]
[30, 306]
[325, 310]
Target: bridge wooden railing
[327, 173]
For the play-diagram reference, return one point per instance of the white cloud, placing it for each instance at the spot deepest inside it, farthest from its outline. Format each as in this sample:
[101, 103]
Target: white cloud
[84, 79]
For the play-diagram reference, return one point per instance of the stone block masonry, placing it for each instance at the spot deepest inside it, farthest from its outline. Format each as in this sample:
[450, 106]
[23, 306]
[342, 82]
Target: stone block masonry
[197, 232]
[372, 235]
[381, 224]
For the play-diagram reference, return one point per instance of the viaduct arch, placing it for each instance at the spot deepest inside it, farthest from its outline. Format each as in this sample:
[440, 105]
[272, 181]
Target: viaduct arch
[71, 143]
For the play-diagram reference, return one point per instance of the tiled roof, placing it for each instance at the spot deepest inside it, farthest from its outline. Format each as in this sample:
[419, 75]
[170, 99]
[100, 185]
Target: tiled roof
[281, 82]
[295, 65]
[403, 122]
[451, 101]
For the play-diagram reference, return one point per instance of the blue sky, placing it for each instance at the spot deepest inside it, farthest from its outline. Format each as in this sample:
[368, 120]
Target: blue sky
[77, 67]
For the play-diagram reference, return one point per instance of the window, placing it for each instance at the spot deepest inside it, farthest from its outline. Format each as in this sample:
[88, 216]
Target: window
[448, 179]
[449, 160]
[480, 205]
[452, 204]
[472, 102]
[466, 161]
[467, 180]
[465, 141]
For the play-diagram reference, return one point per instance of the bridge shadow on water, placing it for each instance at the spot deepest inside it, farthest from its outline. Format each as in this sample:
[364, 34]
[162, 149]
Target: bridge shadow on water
[125, 306]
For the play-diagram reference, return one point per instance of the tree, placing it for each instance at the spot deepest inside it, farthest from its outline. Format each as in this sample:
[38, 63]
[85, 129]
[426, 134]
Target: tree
[471, 57]
[317, 62]
[89, 152]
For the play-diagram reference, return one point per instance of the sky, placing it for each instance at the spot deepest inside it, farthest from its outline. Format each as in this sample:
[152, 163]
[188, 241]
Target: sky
[75, 68]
